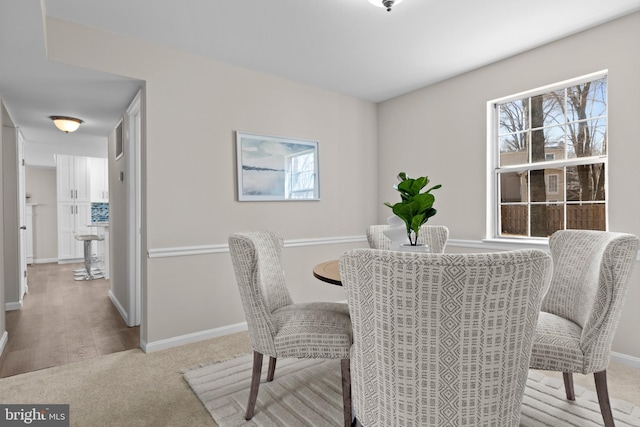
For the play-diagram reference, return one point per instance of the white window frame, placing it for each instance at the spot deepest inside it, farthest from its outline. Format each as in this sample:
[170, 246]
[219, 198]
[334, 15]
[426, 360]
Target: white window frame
[493, 157]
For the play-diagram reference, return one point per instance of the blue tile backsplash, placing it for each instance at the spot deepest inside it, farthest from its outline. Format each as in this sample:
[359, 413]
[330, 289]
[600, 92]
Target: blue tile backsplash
[99, 212]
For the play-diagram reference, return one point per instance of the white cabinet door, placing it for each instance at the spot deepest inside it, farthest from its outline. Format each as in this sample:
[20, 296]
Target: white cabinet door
[67, 244]
[83, 217]
[65, 178]
[98, 171]
[74, 206]
[82, 179]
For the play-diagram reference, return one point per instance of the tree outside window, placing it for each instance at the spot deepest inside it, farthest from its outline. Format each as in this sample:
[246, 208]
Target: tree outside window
[551, 156]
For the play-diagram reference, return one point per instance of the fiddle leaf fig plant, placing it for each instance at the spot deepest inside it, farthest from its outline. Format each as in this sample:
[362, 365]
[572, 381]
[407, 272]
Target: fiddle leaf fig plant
[416, 206]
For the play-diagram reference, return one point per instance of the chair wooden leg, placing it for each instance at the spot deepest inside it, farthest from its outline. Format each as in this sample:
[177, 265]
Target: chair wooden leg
[346, 390]
[603, 398]
[568, 385]
[255, 384]
[272, 368]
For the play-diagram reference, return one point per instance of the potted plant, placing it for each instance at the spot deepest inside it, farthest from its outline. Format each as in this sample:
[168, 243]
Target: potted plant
[416, 206]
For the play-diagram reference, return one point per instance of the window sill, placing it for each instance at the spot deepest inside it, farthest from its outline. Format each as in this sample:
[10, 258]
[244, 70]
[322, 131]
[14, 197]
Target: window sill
[501, 244]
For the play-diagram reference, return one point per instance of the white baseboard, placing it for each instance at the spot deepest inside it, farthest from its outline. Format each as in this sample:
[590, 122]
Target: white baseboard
[9, 306]
[45, 260]
[119, 307]
[625, 359]
[70, 261]
[3, 341]
[191, 338]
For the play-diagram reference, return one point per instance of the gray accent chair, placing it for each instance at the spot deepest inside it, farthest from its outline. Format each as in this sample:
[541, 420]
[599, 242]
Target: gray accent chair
[435, 236]
[277, 326]
[442, 339]
[580, 313]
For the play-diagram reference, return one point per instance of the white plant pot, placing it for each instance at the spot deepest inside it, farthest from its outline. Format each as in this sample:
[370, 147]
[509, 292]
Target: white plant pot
[420, 247]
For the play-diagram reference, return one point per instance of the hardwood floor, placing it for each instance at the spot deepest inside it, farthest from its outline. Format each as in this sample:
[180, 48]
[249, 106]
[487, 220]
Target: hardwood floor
[63, 321]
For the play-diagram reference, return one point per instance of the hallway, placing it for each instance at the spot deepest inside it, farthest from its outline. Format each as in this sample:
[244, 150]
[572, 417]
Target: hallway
[63, 321]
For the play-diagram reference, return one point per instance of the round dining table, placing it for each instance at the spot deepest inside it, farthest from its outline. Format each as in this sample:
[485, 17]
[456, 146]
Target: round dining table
[328, 271]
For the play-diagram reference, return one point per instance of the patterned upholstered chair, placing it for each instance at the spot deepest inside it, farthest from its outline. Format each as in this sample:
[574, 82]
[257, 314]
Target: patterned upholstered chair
[442, 339]
[277, 326]
[581, 310]
[433, 235]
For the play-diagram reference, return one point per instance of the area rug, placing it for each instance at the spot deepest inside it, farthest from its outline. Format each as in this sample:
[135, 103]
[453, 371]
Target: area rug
[307, 392]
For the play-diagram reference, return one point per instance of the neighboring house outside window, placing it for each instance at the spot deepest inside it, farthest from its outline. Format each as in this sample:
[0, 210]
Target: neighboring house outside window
[548, 166]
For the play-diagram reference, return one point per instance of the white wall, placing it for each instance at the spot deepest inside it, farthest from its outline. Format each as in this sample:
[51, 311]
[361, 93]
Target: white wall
[41, 185]
[38, 154]
[193, 107]
[441, 131]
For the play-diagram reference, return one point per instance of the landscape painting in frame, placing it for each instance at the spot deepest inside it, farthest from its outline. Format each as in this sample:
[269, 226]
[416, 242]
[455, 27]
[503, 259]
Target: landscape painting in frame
[276, 168]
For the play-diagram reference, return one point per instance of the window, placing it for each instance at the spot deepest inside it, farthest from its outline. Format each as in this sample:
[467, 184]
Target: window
[552, 183]
[549, 162]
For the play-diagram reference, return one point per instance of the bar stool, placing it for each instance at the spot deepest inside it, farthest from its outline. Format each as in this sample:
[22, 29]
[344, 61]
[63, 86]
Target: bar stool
[87, 273]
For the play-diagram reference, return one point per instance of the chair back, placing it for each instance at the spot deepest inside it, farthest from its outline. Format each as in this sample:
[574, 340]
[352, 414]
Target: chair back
[591, 271]
[256, 258]
[435, 236]
[442, 339]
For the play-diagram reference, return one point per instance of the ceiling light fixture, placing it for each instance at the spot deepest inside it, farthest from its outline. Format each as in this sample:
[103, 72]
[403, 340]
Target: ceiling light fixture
[66, 124]
[385, 3]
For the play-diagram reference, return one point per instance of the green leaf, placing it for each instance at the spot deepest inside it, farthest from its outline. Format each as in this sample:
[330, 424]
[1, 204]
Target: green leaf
[415, 207]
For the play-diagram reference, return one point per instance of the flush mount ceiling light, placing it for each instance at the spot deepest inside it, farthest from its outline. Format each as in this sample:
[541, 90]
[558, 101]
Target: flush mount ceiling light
[66, 124]
[385, 3]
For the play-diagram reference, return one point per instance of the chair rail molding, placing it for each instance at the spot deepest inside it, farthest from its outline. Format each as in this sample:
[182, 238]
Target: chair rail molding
[483, 244]
[223, 247]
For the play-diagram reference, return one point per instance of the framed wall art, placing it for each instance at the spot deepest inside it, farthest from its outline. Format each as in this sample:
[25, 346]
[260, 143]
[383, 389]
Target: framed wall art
[276, 168]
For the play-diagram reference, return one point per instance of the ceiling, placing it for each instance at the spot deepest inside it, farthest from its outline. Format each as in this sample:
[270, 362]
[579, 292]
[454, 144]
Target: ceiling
[347, 46]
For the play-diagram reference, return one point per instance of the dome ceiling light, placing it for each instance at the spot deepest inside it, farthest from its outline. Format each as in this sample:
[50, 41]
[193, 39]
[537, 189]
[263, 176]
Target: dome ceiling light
[66, 124]
[388, 4]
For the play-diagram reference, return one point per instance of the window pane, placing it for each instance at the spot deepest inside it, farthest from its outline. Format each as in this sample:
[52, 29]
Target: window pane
[546, 219]
[553, 106]
[513, 116]
[513, 187]
[589, 216]
[586, 183]
[513, 149]
[538, 186]
[553, 140]
[547, 185]
[587, 138]
[514, 220]
[587, 100]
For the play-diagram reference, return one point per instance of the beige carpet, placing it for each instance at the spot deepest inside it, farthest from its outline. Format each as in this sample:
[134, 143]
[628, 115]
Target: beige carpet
[126, 389]
[308, 393]
[134, 389]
